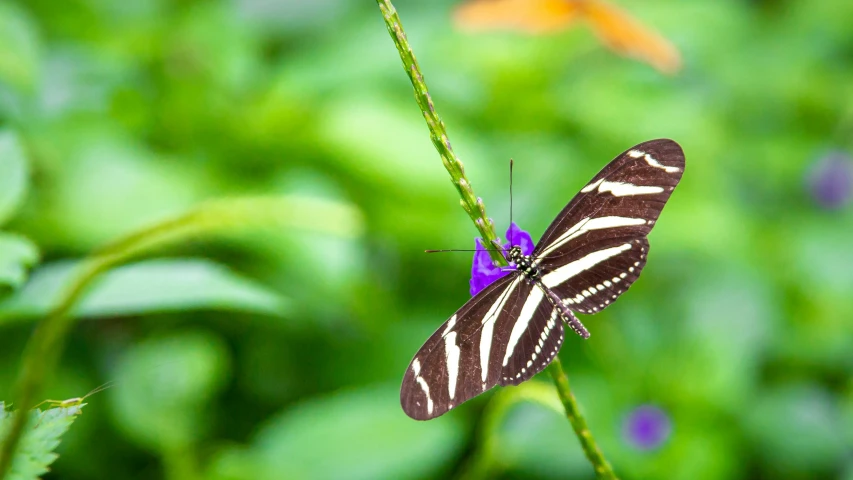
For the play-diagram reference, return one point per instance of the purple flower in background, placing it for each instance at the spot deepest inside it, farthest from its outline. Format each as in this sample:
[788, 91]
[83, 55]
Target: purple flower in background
[646, 427]
[483, 271]
[831, 180]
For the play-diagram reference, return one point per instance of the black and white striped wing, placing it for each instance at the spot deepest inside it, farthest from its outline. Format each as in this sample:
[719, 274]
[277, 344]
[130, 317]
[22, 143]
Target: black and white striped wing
[535, 338]
[597, 246]
[504, 335]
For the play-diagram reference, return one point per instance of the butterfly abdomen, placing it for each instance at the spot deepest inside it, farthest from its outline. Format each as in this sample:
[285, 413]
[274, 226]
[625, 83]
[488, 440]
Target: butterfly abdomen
[565, 314]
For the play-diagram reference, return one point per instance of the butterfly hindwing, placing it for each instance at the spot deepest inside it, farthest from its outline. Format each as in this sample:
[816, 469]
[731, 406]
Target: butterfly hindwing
[617, 264]
[536, 336]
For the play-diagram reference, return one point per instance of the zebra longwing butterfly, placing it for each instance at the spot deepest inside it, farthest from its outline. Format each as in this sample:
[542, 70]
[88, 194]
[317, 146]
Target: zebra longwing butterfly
[592, 252]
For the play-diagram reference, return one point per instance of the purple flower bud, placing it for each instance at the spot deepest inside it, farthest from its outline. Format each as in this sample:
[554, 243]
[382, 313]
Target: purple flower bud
[831, 180]
[646, 427]
[483, 271]
[516, 236]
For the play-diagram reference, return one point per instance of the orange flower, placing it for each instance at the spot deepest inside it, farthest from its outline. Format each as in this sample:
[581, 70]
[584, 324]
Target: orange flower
[615, 28]
[530, 16]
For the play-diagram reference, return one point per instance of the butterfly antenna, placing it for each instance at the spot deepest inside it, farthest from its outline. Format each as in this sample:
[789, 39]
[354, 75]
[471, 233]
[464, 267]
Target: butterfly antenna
[456, 250]
[500, 248]
[510, 202]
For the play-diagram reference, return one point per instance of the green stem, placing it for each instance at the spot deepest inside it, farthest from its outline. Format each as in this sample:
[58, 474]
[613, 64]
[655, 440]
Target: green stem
[180, 464]
[573, 413]
[477, 211]
[41, 354]
[44, 347]
[473, 206]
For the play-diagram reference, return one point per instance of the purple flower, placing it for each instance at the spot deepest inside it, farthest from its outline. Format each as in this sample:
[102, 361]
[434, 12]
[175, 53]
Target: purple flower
[483, 271]
[646, 427]
[831, 180]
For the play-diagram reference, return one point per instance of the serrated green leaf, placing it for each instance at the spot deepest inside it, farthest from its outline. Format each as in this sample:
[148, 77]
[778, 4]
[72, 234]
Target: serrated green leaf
[145, 287]
[14, 174]
[17, 255]
[41, 437]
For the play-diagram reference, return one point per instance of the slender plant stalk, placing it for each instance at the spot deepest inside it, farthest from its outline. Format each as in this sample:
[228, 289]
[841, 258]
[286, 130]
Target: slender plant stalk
[45, 346]
[41, 355]
[473, 205]
[590, 448]
[477, 211]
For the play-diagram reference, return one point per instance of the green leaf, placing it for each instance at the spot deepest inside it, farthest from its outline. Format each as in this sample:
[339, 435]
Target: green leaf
[165, 385]
[796, 427]
[19, 57]
[356, 435]
[14, 175]
[41, 437]
[17, 254]
[525, 428]
[400, 158]
[150, 286]
[537, 439]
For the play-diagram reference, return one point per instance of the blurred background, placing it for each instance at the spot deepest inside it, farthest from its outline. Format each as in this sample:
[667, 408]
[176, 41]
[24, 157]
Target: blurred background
[279, 352]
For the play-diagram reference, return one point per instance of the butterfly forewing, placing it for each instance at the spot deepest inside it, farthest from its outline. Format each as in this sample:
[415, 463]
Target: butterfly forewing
[462, 359]
[597, 245]
[628, 193]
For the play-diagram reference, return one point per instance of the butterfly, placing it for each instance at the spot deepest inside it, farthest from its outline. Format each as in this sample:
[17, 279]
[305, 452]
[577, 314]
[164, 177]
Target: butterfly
[618, 30]
[589, 255]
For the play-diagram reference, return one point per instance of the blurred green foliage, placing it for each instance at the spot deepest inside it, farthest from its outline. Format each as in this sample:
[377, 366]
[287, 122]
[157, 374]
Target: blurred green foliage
[278, 354]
